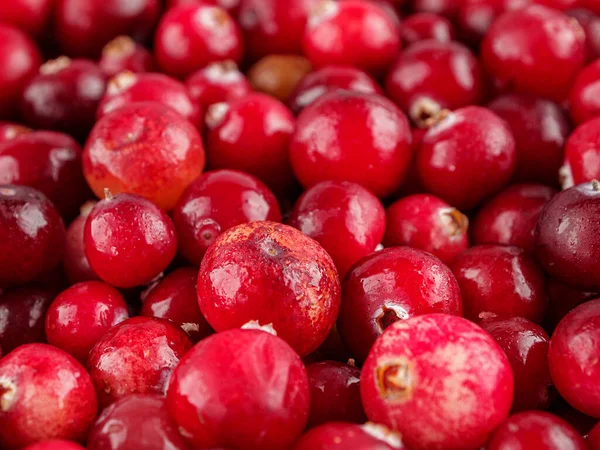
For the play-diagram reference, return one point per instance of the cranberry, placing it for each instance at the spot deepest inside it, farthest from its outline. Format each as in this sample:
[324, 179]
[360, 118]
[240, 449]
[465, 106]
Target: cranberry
[338, 435]
[590, 5]
[231, 6]
[218, 82]
[351, 136]
[54, 444]
[15, 46]
[390, 285]
[174, 298]
[583, 102]
[136, 422]
[562, 299]
[215, 202]
[557, 4]
[582, 155]
[330, 78]
[510, 217]
[354, 32]
[120, 153]
[428, 223]
[278, 75]
[44, 394]
[536, 429]
[273, 409]
[22, 312]
[412, 184]
[129, 240]
[439, 380]
[252, 134]
[273, 274]
[567, 239]
[526, 345]
[536, 50]
[80, 316]
[423, 26]
[593, 438]
[124, 54]
[32, 235]
[75, 263]
[64, 96]
[466, 156]
[136, 357]
[83, 27]
[10, 131]
[430, 76]
[590, 22]
[345, 218]
[128, 87]
[444, 7]
[190, 37]
[31, 16]
[49, 162]
[476, 16]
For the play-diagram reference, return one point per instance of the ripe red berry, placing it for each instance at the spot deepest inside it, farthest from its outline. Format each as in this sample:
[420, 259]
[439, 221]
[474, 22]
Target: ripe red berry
[124, 54]
[332, 435]
[54, 444]
[75, 263]
[218, 82]
[590, 22]
[476, 16]
[10, 131]
[593, 438]
[583, 102]
[582, 155]
[31, 16]
[423, 26]
[446, 8]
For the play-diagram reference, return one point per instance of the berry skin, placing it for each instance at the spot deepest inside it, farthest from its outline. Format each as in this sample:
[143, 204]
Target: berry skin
[446, 8]
[439, 380]
[251, 361]
[129, 240]
[391, 285]
[423, 26]
[54, 444]
[427, 223]
[10, 131]
[535, 50]
[278, 75]
[590, 22]
[342, 435]
[346, 219]
[124, 54]
[476, 16]
[468, 155]
[75, 263]
[593, 438]
[218, 82]
[40, 386]
[120, 153]
[583, 102]
[272, 274]
[338, 138]
[31, 16]
[582, 155]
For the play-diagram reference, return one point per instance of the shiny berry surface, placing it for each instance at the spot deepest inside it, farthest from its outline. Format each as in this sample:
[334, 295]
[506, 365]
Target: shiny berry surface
[124, 54]
[218, 82]
[423, 26]
[590, 22]
[11, 130]
[54, 444]
[582, 155]
[583, 102]
[593, 438]
[476, 16]
[339, 435]
[31, 16]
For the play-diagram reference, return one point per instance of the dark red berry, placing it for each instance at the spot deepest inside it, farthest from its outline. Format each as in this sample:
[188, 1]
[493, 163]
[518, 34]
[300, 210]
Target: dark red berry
[593, 439]
[31, 16]
[582, 155]
[476, 16]
[75, 263]
[124, 54]
[590, 22]
[10, 131]
[562, 299]
[583, 102]
[339, 435]
[54, 444]
[218, 82]
[444, 7]
[423, 26]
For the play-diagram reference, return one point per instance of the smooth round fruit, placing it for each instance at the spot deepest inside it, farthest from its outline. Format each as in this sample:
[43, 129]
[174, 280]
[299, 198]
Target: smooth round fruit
[54, 444]
[590, 22]
[446, 8]
[423, 26]
[124, 54]
[476, 16]
[582, 155]
[75, 263]
[218, 82]
[439, 380]
[593, 438]
[10, 131]
[31, 16]
[583, 102]
[278, 75]
[341, 435]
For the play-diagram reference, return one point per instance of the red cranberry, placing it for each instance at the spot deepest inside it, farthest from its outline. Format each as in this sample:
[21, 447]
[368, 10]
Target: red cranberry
[44, 394]
[129, 240]
[54, 444]
[582, 155]
[32, 237]
[83, 27]
[510, 217]
[430, 76]
[124, 54]
[593, 439]
[573, 357]
[120, 153]
[354, 32]
[412, 184]
[215, 202]
[64, 96]
[31, 16]
[15, 46]
[439, 380]
[536, 50]
[75, 263]
[444, 7]
[562, 299]
[278, 75]
[345, 218]
[80, 316]
[334, 393]
[252, 134]
[567, 240]
[476, 16]
[557, 4]
[10, 131]
[218, 82]
[390, 285]
[231, 6]
[590, 22]
[174, 298]
[273, 274]
[468, 155]
[136, 357]
[190, 37]
[590, 5]
[583, 102]
[351, 136]
[526, 345]
[139, 422]
[273, 409]
[423, 26]
[338, 435]
[428, 223]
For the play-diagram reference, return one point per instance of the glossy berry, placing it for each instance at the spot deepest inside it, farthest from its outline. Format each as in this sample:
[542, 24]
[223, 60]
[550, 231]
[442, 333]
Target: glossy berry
[129, 240]
[218, 82]
[562, 299]
[10, 131]
[80, 316]
[124, 54]
[390, 285]
[582, 155]
[136, 357]
[254, 362]
[590, 22]
[203, 34]
[346, 219]
[215, 202]
[572, 357]
[273, 274]
[64, 96]
[32, 235]
[535, 50]
[583, 102]
[75, 262]
[567, 239]
[120, 153]
[340, 435]
[336, 138]
[31, 16]
[510, 217]
[231, 6]
[136, 422]
[476, 16]
[54, 444]
[446, 8]
[428, 223]
[278, 75]
[174, 298]
[593, 438]
[353, 32]
[423, 26]
[439, 380]
[40, 386]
